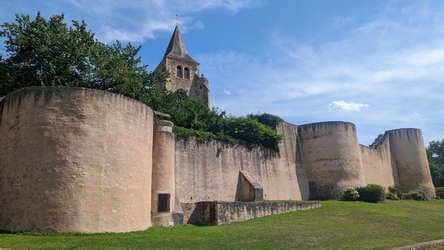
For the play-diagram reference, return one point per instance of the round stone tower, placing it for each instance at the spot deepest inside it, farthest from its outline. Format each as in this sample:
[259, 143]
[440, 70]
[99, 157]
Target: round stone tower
[409, 160]
[331, 157]
[74, 160]
[163, 186]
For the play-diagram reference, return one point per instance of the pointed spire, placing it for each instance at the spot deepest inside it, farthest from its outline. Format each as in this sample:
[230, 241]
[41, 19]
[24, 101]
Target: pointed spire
[176, 47]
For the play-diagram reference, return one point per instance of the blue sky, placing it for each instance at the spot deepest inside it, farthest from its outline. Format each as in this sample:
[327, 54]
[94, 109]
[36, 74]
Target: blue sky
[378, 64]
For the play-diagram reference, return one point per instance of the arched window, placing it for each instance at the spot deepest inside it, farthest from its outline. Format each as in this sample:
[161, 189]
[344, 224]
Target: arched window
[179, 72]
[187, 73]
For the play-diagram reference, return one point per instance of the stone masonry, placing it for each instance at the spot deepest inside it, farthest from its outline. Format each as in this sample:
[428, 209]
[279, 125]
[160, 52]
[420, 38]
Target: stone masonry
[84, 160]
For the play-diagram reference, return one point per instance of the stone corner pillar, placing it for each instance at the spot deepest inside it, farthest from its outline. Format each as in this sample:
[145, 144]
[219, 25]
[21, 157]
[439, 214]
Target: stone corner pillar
[163, 177]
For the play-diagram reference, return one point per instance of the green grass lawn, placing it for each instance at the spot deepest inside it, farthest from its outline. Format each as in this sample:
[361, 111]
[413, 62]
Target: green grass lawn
[335, 225]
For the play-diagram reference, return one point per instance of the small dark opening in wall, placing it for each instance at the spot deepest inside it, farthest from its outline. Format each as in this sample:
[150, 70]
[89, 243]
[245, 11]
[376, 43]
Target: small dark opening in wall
[163, 204]
[187, 73]
[179, 72]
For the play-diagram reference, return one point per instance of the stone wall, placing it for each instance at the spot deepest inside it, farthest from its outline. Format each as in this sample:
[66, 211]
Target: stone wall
[200, 88]
[316, 161]
[217, 212]
[210, 171]
[195, 85]
[174, 82]
[74, 160]
[377, 164]
[409, 159]
[331, 157]
[80, 160]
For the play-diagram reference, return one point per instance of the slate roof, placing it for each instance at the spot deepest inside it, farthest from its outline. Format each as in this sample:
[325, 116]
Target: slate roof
[176, 47]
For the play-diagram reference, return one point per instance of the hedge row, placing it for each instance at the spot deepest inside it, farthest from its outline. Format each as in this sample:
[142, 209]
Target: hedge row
[375, 193]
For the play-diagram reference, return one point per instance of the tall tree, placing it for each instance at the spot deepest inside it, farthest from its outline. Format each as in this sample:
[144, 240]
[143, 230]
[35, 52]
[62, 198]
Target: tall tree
[435, 154]
[49, 52]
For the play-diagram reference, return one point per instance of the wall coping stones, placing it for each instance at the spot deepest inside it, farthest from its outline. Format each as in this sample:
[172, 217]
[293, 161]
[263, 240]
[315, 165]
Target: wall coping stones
[224, 212]
[424, 245]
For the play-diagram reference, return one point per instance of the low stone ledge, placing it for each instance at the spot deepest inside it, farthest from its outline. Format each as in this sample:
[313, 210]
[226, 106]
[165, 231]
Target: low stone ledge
[424, 245]
[219, 212]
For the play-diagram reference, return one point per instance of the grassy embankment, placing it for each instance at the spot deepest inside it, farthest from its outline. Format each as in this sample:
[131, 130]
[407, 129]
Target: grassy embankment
[336, 224]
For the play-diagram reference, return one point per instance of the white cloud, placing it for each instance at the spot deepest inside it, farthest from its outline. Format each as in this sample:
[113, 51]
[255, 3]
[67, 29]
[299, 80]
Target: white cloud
[347, 106]
[425, 57]
[140, 20]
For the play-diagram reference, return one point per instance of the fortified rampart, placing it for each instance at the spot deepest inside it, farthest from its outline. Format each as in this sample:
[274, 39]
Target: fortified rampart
[74, 160]
[409, 160]
[82, 160]
[316, 161]
[210, 171]
[377, 165]
[331, 157]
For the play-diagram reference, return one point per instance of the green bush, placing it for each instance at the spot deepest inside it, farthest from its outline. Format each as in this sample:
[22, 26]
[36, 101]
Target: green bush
[251, 133]
[395, 190]
[414, 195]
[185, 133]
[350, 194]
[392, 196]
[371, 193]
[439, 192]
[270, 120]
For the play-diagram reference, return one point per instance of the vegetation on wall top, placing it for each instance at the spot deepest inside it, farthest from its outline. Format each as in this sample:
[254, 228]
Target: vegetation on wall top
[268, 119]
[192, 117]
[49, 52]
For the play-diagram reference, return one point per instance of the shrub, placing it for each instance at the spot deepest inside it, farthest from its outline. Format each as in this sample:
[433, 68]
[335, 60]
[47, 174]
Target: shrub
[371, 193]
[414, 195]
[392, 196]
[251, 133]
[395, 190]
[439, 192]
[185, 133]
[270, 120]
[350, 194]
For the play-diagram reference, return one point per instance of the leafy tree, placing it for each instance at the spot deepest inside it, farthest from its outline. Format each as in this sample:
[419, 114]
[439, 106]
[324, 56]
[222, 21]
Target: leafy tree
[435, 154]
[51, 53]
[252, 132]
[194, 118]
[268, 119]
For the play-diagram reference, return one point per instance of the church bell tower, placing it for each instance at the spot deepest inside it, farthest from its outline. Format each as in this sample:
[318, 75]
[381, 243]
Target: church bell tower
[182, 69]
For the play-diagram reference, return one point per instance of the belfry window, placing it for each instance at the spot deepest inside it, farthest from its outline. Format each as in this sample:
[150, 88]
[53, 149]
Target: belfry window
[163, 203]
[187, 73]
[179, 72]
